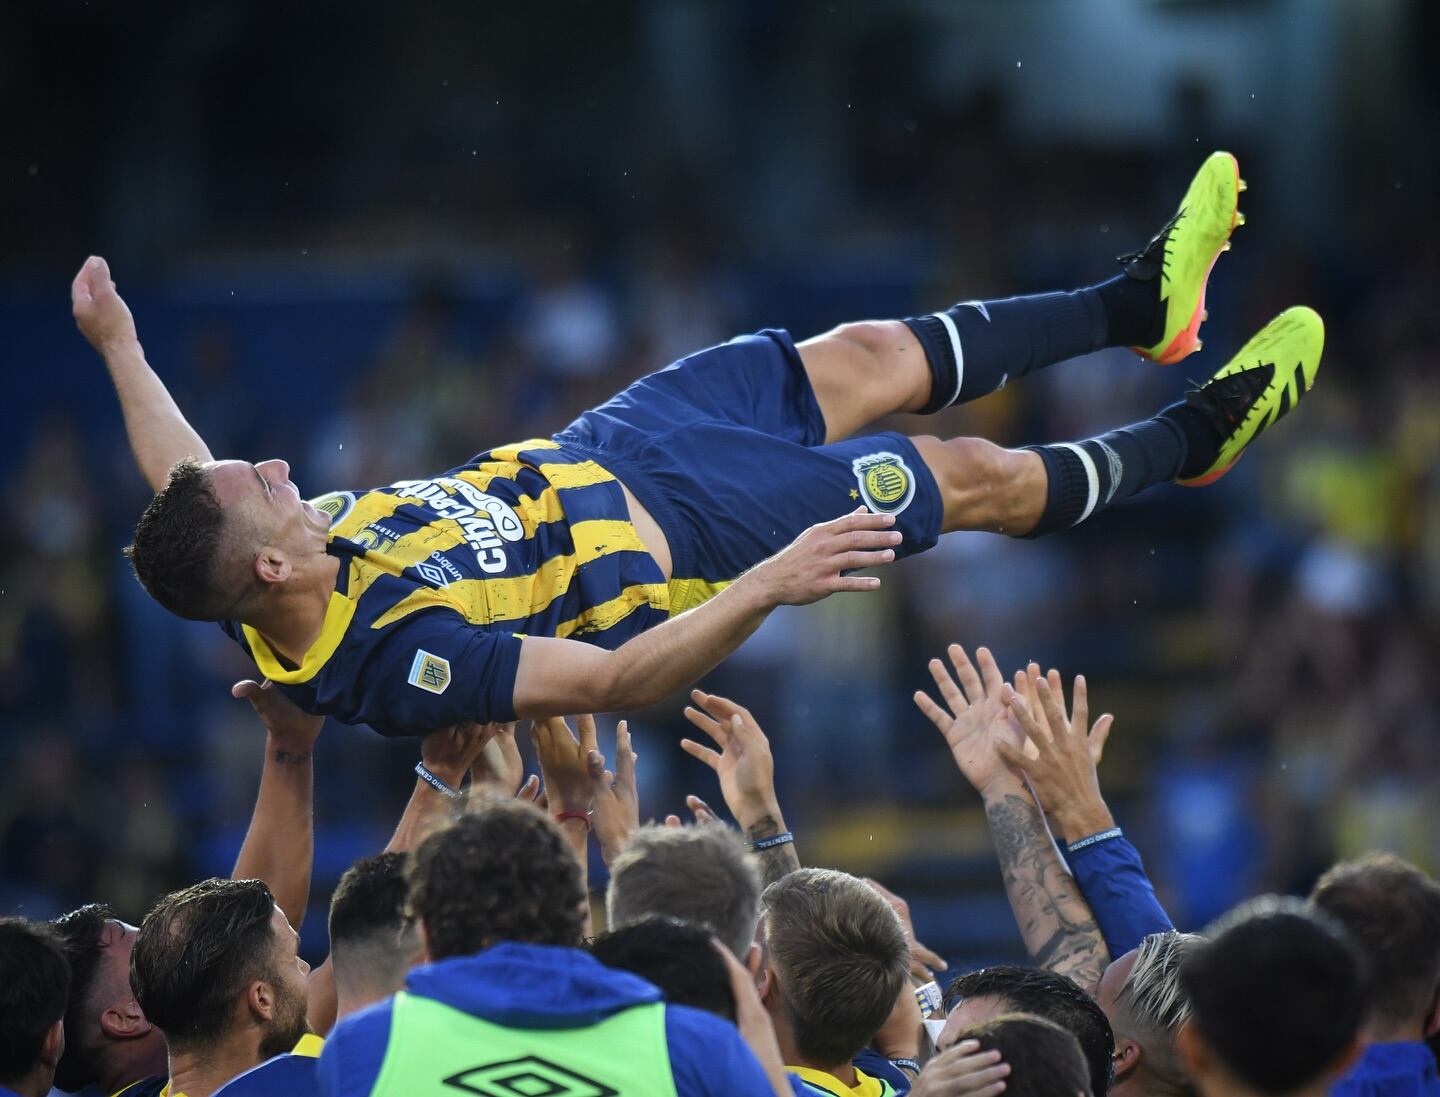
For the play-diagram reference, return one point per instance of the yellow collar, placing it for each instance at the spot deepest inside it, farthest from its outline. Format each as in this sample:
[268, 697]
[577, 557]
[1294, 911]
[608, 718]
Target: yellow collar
[865, 1086]
[337, 619]
[309, 1046]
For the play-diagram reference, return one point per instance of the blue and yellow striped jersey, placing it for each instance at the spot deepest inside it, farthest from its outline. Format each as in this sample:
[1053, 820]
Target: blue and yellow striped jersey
[440, 578]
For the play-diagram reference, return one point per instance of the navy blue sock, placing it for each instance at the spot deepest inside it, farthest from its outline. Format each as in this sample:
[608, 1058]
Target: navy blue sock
[1086, 477]
[976, 347]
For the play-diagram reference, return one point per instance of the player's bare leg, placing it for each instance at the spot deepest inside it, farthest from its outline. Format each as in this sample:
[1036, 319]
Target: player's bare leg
[863, 372]
[985, 486]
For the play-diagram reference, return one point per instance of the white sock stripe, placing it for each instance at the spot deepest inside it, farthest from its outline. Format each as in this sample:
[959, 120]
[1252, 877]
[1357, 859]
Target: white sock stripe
[959, 354]
[1092, 478]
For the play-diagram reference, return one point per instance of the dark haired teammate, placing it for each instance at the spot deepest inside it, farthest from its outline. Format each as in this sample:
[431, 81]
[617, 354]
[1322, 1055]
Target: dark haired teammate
[617, 562]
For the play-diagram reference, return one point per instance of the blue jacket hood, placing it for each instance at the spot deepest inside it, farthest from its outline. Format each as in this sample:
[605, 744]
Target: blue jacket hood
[532, 986]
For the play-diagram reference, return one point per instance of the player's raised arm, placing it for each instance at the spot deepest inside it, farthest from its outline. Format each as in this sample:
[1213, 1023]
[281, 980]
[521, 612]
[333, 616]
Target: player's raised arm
[159, 435]
[562, 676]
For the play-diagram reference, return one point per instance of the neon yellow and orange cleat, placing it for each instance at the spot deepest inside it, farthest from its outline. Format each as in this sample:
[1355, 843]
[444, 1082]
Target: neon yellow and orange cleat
[1258, 386]
[1184, 251]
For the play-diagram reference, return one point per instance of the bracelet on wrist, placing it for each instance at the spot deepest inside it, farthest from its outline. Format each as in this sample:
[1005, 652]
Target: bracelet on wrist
[907, 1064]
[583, 816]
[439, 785]
[762, 844]
[1094, 839]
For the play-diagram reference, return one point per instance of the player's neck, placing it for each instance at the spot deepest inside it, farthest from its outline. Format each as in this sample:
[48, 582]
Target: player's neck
[200, 1072]
[292, 617]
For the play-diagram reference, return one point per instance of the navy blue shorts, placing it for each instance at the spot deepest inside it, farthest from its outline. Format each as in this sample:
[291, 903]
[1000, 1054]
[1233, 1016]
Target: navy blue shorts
[726, 450]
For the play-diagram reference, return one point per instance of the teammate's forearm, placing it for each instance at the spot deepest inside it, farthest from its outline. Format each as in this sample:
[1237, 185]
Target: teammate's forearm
[427, 808]
[158, 432]
[279, 847]
[674, 655]
[776, 862]
[577, 835]
[1056, 923]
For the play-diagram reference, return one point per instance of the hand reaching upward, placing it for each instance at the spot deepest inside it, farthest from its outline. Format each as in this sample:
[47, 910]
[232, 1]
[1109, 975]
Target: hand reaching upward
[975, 718]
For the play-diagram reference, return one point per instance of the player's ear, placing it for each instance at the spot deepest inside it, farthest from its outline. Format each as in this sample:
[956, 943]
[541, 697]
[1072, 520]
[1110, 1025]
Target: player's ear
[272, 566]
[124, 1021]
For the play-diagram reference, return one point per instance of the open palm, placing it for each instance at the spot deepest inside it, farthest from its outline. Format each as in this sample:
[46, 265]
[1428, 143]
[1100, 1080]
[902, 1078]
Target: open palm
[974, 716]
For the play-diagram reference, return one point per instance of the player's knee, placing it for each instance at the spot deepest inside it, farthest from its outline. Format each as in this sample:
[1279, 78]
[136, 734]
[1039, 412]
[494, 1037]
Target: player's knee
[875, 340]
[980, 462]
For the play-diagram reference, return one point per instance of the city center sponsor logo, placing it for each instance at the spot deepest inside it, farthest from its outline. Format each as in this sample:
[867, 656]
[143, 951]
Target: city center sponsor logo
[486, 522]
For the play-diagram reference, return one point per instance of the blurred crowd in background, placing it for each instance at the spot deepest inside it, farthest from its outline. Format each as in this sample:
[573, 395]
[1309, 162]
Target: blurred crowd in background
[411, 244]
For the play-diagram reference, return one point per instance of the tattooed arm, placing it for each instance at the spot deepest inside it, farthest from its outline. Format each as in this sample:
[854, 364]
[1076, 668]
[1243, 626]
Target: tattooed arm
[746, 769]
[1056, 923]
[279, 847]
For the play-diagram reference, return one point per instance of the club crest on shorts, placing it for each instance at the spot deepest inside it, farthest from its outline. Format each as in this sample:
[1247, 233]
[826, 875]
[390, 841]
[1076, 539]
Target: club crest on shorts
[886, 483]
[429, 672]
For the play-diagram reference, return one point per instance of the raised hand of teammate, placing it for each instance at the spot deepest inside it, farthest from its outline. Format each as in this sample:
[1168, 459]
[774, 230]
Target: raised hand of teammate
[616, 810]
[499, 768]
[1061, 751]
[564, 762]
[974, 719]
[100, 313]
[449, 753]
[291, 729]
[743, 763]
[816, 563]
[746, 769]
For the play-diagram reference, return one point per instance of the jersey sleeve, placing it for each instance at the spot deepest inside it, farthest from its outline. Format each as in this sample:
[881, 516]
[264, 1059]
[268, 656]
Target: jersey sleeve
[1112, 879]
[428, 671]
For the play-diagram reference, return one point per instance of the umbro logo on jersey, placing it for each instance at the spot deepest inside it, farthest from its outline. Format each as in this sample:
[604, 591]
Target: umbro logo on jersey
[531, 1076]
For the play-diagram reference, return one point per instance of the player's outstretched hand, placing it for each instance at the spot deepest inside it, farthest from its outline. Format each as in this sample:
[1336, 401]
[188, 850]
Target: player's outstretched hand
[1060, 752]
[449, 752]
[293, 729]
[974, 720]
[743, 763]
[100, 313]
[564, 762]
[616, 811]
[814, 565]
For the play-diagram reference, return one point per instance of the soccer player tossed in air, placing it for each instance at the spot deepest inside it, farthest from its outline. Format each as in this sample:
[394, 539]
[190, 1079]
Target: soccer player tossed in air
[606, 567]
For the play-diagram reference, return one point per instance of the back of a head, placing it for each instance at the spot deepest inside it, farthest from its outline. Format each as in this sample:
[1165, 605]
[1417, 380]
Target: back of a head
[1277, 994]
[678, 957]
[371, 941]
[1051, 997]
[1153, 1006]
[34, 989]
[699, 874]
[841, 958]
[501, 872]
[1044, 1059]
[1391, 911]
[81, 935]
[180, 546]
[197, 951]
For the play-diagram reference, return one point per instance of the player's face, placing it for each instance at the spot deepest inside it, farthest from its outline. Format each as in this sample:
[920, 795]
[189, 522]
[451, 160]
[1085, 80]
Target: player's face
[272, 500]
[289, 972]
[971, 1011]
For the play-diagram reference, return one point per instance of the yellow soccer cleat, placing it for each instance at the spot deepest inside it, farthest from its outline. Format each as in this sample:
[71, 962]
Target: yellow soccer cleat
[1183, 252]
[1259, 385]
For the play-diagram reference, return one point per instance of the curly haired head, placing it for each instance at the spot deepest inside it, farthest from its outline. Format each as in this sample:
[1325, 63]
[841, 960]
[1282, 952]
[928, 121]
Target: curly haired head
[500, 872]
